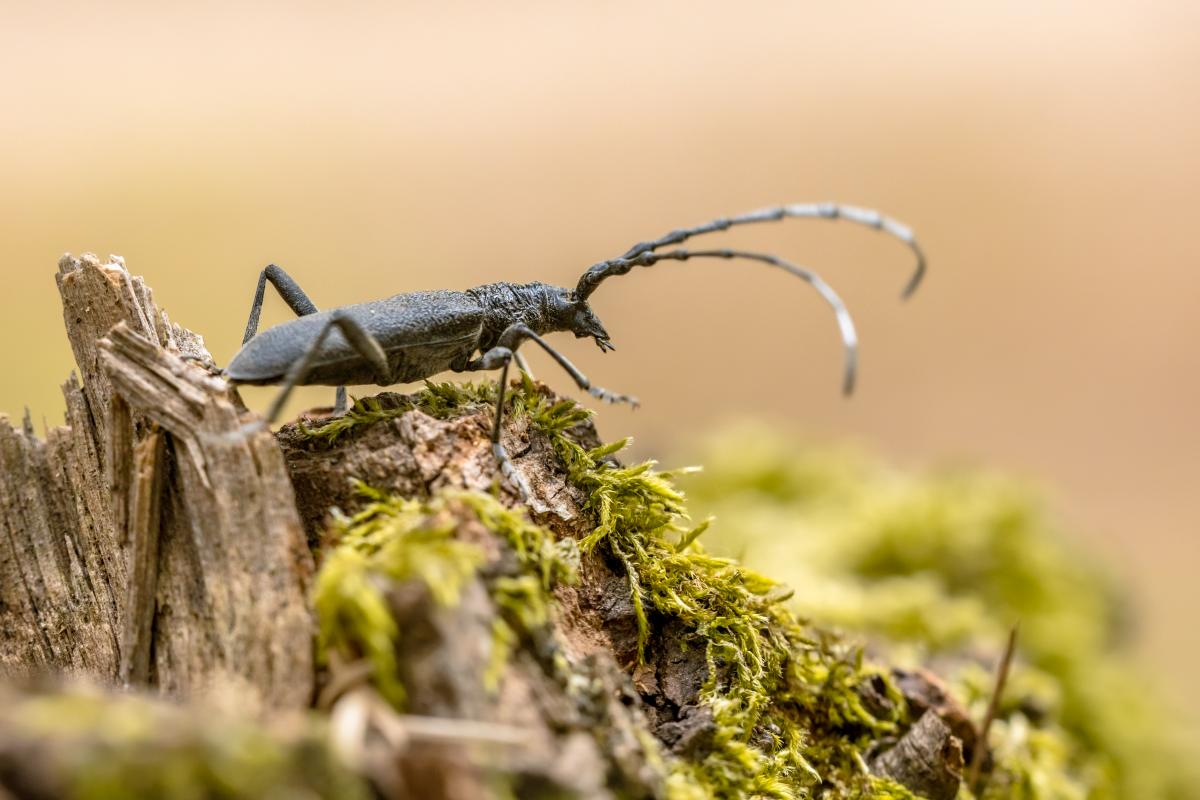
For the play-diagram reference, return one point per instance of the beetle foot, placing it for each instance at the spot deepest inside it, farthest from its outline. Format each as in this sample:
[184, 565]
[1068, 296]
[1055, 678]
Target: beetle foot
[248, 429]
[613, 397]
[510, 472]
[238, 435]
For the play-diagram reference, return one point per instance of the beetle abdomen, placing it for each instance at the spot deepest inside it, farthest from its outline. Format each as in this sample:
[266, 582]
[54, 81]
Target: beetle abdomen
[423, 333]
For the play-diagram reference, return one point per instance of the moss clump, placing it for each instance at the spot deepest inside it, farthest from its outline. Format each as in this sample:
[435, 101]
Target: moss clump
[788, 702]
[389, 540]
[392, 540]
[938, 565]
[523, 600]
[885, 789]
[97, 746]
[440, 400]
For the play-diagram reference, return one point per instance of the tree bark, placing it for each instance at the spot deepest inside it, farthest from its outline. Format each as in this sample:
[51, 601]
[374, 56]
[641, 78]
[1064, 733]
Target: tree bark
[150, 525]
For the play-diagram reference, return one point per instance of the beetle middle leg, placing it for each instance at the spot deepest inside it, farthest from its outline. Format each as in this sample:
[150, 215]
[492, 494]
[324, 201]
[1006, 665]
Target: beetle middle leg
[296, 300]
[505, 357]
[523, 365]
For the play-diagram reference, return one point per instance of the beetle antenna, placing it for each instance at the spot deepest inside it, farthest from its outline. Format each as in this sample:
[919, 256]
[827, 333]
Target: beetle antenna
[620, 266]
[831, 211]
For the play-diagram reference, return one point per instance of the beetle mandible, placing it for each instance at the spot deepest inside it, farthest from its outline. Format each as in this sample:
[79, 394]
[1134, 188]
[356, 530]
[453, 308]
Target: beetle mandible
[412, 336]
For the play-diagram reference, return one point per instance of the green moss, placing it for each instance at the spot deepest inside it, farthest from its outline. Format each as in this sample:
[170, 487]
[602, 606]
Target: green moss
[787, 701]
[536, 549]
[440, 400]
[392, 540]
[125, 747]
[941, 564]
[885, 789]
[522, 605]
[389, 540]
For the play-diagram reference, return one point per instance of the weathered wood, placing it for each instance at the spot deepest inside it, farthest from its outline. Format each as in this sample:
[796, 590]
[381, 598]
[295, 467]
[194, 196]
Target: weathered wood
[224, 596]
[144, 517]
[928, 759]
[416, 454]
[234, 566]
[62, 573]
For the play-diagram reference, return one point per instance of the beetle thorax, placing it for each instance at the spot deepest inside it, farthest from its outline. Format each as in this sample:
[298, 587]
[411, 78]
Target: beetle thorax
[506, 304]
[544, 308]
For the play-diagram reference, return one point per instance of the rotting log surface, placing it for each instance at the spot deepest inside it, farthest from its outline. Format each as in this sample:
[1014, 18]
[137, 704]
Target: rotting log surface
[152, 542]
[224, 560]
[585, 746]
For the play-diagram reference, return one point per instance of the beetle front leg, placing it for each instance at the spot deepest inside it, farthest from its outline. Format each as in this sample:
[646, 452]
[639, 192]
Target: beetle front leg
[502, 357]
[513, 336]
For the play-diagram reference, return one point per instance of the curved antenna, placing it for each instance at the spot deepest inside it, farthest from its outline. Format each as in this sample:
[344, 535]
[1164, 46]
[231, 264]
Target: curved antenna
[620, 266]
[832, 211]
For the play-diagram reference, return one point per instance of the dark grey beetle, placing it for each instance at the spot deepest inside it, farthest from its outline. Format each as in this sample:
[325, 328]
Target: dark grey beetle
[409, 337]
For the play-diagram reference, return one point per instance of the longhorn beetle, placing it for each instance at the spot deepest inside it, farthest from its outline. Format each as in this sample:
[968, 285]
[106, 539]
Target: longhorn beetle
[412, 336]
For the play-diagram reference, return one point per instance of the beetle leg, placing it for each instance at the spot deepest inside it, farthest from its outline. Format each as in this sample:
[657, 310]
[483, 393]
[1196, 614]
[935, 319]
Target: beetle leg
[502, 357]
[523, 365]
[363, 343]
[288, 289]
[515, 334]
[297, 301]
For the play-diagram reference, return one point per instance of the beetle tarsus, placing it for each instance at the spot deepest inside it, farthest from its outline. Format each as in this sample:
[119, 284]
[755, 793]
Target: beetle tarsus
[613, 397]
[510, 473]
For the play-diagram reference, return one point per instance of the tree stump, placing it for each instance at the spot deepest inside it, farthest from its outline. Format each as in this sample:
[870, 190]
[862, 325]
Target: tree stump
[154, 543]
[147, 526]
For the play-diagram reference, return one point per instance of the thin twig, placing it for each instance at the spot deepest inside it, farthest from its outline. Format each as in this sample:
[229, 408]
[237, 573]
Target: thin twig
[981, 744]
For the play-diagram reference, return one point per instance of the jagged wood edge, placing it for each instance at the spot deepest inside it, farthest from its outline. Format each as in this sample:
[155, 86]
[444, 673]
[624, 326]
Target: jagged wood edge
[227, 589]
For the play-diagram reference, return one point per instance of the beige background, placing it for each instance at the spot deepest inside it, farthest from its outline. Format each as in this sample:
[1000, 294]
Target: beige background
[1047, 155]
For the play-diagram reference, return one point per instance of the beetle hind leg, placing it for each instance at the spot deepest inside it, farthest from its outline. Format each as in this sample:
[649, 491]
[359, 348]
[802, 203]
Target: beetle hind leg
[363, 343]
[296, 300]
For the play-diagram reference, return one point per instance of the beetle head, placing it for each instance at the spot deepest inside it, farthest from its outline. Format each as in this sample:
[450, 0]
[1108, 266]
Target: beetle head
[584, 322]
[577, 317]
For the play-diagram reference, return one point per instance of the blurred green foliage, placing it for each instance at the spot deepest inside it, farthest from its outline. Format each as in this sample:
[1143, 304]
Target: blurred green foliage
[85, 744]
[935, 567]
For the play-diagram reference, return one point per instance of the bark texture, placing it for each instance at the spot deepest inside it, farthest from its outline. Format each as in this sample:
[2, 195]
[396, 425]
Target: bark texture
[149, 540]
[582, 740]
[928, 760]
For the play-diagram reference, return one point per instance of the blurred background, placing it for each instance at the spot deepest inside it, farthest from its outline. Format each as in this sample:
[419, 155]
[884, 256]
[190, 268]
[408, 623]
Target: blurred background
[1046, 154]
